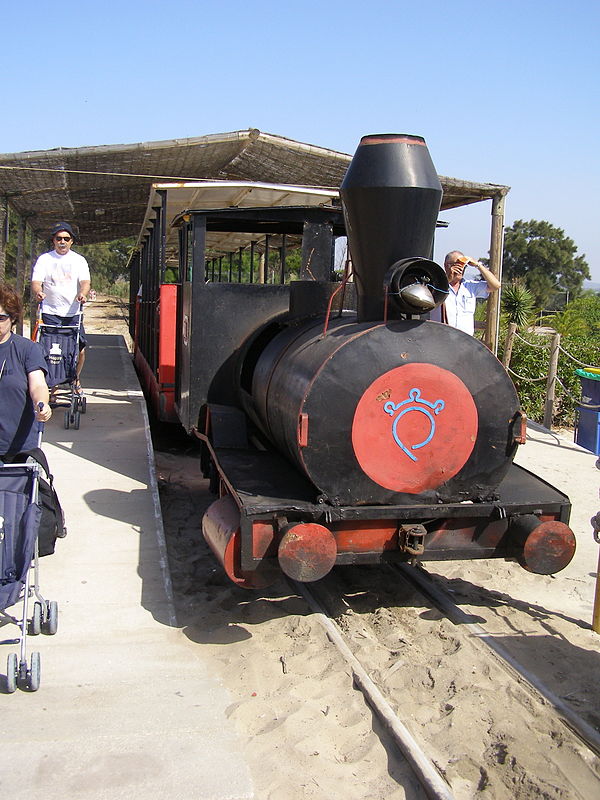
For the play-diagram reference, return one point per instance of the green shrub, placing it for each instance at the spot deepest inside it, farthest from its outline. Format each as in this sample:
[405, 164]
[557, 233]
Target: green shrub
[119, 289]
[529, 362]
[580, 318]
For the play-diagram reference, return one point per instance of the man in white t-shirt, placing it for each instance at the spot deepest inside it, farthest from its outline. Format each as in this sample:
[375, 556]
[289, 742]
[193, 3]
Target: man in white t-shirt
[458, 309]
[61, 283]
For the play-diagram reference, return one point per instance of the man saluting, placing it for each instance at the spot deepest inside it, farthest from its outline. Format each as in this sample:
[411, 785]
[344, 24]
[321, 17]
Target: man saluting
[458, 309]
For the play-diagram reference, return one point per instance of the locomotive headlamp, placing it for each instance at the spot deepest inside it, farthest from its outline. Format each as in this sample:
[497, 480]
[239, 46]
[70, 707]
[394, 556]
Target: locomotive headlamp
[418, 296]
[416, 285]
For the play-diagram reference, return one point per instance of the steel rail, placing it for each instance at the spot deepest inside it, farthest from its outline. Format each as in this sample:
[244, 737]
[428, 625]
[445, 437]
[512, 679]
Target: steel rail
[433, 784]
[420, 579]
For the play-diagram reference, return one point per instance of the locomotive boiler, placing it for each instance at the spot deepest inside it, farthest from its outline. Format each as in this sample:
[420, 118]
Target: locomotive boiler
[336, 435]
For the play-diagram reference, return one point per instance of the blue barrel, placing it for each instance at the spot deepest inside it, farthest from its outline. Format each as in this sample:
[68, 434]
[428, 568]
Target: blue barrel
[590, 387]
[587, 431]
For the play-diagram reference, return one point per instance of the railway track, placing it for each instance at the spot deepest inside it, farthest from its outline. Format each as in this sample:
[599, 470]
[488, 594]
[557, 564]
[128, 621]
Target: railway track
[509, 735]
[588, 735]
[486, 732]
[432, 782]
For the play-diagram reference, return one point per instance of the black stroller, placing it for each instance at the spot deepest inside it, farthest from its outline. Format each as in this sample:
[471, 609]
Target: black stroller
[60, 344]
[25, 500]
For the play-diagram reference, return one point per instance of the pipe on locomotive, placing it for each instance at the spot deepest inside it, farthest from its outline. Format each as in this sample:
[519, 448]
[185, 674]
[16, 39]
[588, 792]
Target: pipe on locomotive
[392, 185]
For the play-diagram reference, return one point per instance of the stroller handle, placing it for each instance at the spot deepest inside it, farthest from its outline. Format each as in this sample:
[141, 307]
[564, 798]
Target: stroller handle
[40, 428]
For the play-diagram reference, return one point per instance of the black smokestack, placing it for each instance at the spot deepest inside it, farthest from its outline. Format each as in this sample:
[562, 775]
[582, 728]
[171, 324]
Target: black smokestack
[391, 196]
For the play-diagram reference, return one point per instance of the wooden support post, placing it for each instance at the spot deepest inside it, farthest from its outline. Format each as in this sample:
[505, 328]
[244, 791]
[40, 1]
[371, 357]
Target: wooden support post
[283, 258]
[551, 382]
[3, 236]
[596, 532]
[508, 345]
[33, 303]
[267, 275]
[20, 271]
[495, 265]
[596, 611]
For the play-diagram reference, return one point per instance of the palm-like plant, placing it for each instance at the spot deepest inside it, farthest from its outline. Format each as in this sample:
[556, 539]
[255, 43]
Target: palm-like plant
[518, 304]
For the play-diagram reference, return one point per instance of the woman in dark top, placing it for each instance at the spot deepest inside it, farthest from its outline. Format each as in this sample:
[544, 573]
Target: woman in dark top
[22, 381]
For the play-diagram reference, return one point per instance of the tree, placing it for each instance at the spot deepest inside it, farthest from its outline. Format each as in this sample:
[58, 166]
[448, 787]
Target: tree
[108, 261]
[540, 254]
[11, 250]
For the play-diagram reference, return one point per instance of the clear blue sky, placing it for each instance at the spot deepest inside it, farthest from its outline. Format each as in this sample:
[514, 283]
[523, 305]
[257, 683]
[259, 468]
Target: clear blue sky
[502, 92]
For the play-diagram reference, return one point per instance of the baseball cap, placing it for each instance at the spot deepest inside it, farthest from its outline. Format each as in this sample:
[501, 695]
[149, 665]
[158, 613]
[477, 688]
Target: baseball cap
[61, 226]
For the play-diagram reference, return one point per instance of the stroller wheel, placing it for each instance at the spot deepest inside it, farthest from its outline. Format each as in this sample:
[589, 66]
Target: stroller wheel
[82, 404]
[52, 618]
[22, 676]
[67, 419]
[12, 672]
[33, 674]
[76, 420]
[36, 620]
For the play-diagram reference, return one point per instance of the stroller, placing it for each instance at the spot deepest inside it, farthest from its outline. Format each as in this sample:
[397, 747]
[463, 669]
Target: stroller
[21, 513]
[60, 344]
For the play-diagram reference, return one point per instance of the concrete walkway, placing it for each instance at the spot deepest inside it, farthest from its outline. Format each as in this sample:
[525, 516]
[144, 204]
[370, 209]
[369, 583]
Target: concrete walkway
[126, 707]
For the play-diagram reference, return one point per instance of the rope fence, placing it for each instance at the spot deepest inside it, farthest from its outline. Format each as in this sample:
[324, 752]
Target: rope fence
[576, 360]
[542, 346]
[523, 378]
[554, 348]
[575, 399]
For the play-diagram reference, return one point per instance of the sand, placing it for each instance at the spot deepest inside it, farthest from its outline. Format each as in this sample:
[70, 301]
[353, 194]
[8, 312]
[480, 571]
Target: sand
[307, 733]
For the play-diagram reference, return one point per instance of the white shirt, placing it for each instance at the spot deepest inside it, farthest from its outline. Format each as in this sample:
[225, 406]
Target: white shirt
[60, 277]
[460, 305]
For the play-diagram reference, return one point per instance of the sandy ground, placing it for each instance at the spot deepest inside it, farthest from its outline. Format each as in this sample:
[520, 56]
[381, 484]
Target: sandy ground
[305, 731]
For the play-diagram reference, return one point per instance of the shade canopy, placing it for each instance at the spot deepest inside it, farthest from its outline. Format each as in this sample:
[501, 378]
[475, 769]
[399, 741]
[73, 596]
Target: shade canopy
[103, 190]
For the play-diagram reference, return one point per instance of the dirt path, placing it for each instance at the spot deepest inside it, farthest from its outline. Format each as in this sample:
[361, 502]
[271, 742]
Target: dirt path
[107, 315]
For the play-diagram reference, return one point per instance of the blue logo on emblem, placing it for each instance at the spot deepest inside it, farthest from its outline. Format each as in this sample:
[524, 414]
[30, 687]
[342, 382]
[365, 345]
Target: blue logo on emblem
[418, 404]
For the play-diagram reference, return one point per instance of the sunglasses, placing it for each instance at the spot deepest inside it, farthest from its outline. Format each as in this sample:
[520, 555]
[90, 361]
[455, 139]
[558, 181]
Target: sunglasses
[63, 238]
[4, 317]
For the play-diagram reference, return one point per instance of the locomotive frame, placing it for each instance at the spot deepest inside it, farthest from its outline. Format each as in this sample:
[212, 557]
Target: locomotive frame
[197, 345]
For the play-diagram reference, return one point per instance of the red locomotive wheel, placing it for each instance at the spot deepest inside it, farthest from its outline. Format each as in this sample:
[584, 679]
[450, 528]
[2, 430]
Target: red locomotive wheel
[414, 428]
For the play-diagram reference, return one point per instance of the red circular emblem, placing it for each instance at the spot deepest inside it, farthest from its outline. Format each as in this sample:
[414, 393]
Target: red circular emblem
[414, 428]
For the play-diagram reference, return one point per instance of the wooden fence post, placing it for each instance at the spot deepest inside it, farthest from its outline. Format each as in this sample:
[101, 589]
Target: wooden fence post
[508, 345]
[551, 382]
[20, 272]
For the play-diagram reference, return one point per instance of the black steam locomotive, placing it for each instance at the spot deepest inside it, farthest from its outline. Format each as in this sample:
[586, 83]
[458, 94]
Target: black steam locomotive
[338, 424]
